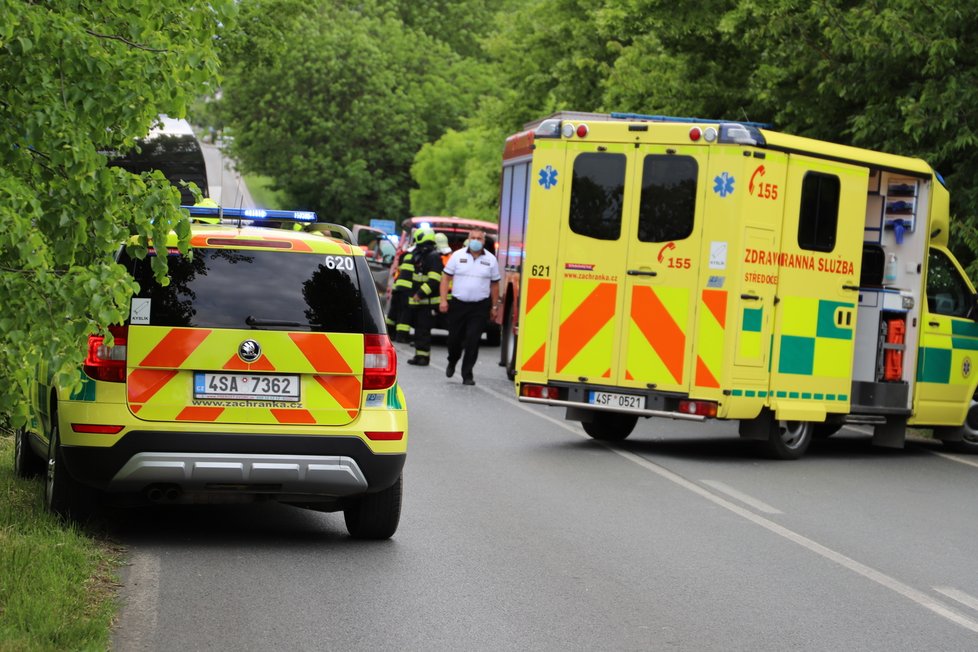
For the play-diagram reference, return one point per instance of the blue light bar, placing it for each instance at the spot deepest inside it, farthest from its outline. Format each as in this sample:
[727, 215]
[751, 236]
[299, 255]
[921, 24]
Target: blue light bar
[256, 214]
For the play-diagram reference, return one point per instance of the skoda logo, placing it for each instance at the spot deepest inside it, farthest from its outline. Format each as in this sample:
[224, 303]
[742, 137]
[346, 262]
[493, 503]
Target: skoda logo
[249, 350]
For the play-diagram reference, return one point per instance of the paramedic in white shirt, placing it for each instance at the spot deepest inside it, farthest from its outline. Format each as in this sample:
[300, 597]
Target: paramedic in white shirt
[474, 276]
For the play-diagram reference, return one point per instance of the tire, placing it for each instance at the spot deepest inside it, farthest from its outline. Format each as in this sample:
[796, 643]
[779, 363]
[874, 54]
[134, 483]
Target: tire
[610, 426]
[790, 439]
[375, 516]
[26, 463]
[968, 442]
[826, 430]
[63, 495]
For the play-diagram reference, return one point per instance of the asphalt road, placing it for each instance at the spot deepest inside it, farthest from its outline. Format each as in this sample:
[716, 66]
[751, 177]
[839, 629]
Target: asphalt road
[520, 533]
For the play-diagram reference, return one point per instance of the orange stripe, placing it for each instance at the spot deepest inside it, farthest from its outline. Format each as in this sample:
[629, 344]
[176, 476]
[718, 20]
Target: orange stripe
[606, 374]
[293, 416]
[321, 353]
[585, 322]
[135, 408]
[262, 364]
[235, 364]
[142, 384]
[536, 289]
[716, 301]
[199, 413]
[345, 389]
[628, 375]
[175, 347]
[535, 363]
[660, 329]
[703, 376]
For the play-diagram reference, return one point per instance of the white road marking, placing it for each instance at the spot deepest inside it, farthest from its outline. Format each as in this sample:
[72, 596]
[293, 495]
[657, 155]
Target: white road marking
[958, 596]
[919, 597]
[750, 501]
[956, 458]
[136, 629]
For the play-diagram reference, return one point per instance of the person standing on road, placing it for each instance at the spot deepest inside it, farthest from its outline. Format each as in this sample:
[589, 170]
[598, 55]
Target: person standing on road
[428, 275]
[474, 276]
[399, 315]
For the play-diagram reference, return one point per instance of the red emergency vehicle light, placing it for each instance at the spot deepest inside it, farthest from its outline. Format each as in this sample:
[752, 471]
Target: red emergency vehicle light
[539, 391]
[695, 133]
[582, 131]
[701, 408]
[96, 428]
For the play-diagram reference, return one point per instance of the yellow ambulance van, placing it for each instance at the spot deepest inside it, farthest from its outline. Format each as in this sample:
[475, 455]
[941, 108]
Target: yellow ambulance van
[697, 269]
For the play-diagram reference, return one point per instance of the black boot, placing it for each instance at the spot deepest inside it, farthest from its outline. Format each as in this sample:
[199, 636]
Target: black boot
[419, 360]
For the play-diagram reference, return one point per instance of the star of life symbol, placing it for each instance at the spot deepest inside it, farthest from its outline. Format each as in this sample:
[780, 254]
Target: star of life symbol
[548, 177]
[966, 367]
[723, 184]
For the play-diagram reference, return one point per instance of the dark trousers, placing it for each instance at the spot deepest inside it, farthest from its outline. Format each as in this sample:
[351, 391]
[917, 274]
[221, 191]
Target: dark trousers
[424, 320]
[466, 321]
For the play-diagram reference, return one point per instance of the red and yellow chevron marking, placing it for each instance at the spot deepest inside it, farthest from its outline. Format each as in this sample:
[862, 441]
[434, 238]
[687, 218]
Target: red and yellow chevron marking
[585, 338]
[657, 341]
[534, 329]
[711, 321]
[175, 347]
[321, 353]
[330, 366]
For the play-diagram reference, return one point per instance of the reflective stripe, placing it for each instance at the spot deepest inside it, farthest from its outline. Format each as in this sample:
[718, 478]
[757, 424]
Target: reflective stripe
[534, 332]
[710, 338]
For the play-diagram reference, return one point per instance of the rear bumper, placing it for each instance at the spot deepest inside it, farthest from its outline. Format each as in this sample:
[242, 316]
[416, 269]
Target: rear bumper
[200, 461]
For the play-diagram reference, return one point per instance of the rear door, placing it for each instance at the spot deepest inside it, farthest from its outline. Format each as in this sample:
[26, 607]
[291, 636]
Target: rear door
[818, 278]
[586, 320]
[660, 266]
[247, 336]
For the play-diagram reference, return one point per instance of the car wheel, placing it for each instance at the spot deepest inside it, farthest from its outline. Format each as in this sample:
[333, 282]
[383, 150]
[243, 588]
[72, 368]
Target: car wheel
[508, 348]
[790, 439]
[375, 516]
[610, 426]
[26, 463]
[63, 495]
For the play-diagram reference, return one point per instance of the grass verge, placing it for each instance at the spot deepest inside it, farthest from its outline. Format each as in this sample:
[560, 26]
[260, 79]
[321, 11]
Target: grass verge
[261, 193]
[58, 584]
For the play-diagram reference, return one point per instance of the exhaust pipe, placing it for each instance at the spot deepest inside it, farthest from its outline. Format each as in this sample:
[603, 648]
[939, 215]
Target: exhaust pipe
[155, 494]
[172, 494]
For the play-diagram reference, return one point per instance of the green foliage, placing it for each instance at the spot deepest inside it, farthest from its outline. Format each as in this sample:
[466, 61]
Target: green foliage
[333, 103]
[459, 175]
[57, 586]
[77, 79]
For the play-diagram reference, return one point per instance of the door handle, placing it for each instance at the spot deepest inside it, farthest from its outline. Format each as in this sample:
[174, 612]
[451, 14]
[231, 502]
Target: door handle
[641, 272]
[935, 324]
[750, 297]
[854, 288]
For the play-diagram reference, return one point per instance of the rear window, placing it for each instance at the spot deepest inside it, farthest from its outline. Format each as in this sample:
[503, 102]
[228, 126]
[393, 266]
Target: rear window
[265, 290]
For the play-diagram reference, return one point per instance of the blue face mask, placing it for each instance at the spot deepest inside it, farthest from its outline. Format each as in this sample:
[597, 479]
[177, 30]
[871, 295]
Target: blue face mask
[475, 246]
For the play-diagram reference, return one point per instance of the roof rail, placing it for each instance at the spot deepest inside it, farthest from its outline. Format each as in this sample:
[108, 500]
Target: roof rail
[668, 118]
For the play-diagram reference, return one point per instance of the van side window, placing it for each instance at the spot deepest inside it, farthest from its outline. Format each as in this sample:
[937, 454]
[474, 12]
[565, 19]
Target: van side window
[597, 195]
[668, 205]
[819, 212]
[947, 293]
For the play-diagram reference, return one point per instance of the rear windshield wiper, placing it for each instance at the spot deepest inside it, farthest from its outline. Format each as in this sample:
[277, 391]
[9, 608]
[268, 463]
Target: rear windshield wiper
[254, 321]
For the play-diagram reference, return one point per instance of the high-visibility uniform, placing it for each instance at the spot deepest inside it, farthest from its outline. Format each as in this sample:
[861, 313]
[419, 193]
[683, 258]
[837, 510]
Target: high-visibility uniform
[425, 296]
[399, 314]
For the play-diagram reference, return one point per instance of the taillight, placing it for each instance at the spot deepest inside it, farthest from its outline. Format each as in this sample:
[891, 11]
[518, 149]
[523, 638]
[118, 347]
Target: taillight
[379, 362]
[539, 391]
[701, 408]
[107, 363]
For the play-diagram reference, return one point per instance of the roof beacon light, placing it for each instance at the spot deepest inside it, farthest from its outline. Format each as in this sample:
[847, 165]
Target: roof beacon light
[567, 130]
[695, 133]
[256, 214]
[709, 134]
[582, 131]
